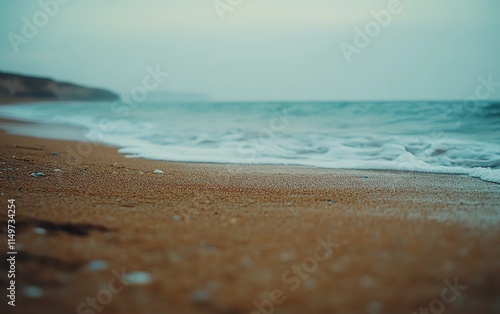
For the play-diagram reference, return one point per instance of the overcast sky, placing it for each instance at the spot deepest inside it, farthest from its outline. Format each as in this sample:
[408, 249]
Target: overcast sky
[263, 49]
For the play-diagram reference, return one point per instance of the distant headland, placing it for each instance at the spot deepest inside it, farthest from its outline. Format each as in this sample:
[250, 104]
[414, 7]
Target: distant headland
[17, 87]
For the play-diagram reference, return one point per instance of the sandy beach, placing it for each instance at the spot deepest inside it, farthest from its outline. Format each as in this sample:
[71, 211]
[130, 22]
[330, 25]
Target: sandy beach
[250, 157]
[105, 234]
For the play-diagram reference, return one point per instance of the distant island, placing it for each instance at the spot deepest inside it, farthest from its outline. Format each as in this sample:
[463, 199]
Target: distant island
[16, 87]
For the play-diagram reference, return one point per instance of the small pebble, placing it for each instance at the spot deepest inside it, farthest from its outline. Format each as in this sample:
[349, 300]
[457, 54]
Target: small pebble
[310, 283]
[330, 201]
[54, 154]
[138, 278]
[97, 265]
[233, 220]
[286, 257]
[365, 177]
[174, 257]
[33, 292]
[366, 281]
[374, 307]
[337, 267]
[246, 262]
[57, 170]
[448, 266]
[158, 171]
[40, 230]
[200, 296]
[36, 175]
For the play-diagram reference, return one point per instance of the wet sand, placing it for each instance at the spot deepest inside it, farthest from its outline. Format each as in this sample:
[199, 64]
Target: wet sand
[209, 238]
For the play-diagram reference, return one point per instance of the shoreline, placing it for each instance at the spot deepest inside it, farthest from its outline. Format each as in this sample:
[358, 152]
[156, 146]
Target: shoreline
[77, 133]
[215, 238]
[75, 130]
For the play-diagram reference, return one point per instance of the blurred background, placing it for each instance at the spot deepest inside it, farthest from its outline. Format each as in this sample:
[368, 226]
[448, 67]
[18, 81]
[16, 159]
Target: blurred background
[261, 49]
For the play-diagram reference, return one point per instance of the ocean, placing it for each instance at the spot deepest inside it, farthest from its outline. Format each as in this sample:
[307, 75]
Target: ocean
[438, 137]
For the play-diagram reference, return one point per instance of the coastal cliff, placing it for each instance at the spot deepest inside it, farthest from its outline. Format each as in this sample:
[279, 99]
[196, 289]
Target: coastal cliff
[15, 87]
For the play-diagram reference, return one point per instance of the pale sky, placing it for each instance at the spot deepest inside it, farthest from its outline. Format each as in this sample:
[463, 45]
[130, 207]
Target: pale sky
[263, 49]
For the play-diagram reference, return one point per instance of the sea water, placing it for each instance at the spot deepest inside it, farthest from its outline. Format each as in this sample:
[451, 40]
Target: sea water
[440, 137]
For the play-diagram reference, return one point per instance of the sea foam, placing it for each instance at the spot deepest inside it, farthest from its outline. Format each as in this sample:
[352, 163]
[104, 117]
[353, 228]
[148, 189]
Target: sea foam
[405, 136]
